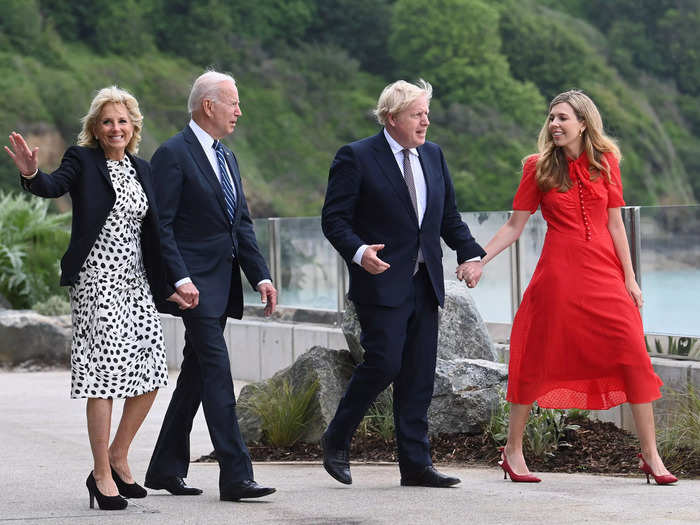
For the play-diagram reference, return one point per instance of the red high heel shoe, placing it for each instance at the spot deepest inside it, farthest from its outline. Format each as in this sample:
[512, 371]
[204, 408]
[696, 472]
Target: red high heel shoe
[663, 479]
[517, 478]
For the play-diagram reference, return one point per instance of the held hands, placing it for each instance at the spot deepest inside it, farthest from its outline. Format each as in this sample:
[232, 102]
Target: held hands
[24, 158]
[634, 291]
[371, 262]
[189, 294]
[268, 296]
[470, 271]
[177, 298]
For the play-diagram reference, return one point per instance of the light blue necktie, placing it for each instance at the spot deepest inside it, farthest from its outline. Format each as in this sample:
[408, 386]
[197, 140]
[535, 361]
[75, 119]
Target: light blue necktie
[229, 194]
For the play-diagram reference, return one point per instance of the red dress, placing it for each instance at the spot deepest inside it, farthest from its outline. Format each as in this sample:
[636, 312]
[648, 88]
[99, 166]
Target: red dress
[577, 339]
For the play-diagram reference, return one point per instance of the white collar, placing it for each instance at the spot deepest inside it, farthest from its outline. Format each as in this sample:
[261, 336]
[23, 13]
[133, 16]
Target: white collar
[204, 138]
[395, 146]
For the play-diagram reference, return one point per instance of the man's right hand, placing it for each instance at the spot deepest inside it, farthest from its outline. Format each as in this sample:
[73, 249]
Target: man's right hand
[189, 293]
[372, 263]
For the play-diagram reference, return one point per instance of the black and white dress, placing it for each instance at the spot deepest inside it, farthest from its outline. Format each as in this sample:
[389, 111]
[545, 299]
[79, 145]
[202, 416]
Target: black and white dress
[117, 348]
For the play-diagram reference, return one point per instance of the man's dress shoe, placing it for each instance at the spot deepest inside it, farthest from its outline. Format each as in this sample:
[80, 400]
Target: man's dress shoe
[245, 489]
[336, 462]
[428, 477]
[173, 484]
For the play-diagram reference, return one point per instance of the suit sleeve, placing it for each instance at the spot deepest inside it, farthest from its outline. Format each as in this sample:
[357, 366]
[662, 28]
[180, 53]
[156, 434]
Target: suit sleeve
[344, 180]
[60, 181]
[168, 181]
[455, 232]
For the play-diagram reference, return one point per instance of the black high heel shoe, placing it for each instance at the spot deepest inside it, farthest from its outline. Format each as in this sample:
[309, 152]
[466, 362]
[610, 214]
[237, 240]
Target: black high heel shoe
[104, 502]
[128, 490]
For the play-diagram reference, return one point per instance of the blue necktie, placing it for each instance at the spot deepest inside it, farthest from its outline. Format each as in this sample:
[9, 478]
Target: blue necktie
[229, 194]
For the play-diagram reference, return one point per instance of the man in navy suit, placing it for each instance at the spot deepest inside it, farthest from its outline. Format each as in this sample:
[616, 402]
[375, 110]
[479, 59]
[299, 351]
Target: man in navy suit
[207, 237]
[392, 194]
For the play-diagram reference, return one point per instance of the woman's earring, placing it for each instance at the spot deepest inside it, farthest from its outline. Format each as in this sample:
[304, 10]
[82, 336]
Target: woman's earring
[580, 132]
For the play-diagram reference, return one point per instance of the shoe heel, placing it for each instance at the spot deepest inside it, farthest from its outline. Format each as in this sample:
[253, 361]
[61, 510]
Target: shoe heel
[648, 482]
[92, 501]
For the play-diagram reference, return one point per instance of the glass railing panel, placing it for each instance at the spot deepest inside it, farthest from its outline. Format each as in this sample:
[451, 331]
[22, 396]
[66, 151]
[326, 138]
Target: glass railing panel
[670, 269]
[492, 295]
[308, 265]
[262, 234]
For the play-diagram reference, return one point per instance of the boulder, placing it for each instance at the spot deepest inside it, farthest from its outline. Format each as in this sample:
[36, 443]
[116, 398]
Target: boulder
[331, 368]
[462, 333]
[466, 392]
[28, 337]
[351, 331]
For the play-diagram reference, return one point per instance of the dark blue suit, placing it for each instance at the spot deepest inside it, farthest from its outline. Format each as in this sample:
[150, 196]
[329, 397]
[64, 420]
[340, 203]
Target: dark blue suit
[200, 242]
[367, 202]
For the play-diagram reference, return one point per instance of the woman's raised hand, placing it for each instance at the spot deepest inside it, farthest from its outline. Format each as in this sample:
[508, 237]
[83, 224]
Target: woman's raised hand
[24, 158]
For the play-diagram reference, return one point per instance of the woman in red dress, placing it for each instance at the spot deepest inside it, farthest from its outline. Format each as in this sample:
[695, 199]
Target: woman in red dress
[577, 339]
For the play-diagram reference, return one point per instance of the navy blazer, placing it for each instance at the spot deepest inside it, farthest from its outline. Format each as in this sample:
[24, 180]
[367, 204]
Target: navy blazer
[367, 202]
[83, 174]
[197, 238]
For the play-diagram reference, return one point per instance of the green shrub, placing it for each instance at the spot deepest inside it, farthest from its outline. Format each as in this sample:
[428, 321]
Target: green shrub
[284, 412]
[680, 346]
[545, 431]
[32, 241]
[379, 419]
[54, 305]
[678, 435]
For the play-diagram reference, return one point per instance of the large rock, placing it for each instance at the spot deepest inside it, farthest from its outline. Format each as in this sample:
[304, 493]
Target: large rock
[467, 378]
[465, 394]
[26, 336]
[331, 368]
[462, 333]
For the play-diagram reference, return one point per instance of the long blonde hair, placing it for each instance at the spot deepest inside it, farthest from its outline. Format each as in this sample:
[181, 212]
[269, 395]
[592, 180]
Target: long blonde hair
[116, 95]
[552, 167]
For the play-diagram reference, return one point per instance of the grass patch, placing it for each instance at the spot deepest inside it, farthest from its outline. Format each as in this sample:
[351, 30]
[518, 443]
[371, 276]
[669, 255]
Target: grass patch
[284, 411]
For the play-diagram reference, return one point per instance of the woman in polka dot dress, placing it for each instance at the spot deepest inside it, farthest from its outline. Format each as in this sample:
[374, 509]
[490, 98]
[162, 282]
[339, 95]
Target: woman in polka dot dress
[114, 271]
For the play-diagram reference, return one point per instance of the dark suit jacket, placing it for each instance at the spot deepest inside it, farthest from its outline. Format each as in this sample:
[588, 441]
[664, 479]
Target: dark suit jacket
[367, 202]
[83, 174]
[198, 240]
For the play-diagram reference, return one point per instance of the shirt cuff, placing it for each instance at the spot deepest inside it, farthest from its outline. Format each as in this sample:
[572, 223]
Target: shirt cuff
[182, 281]
[477, 258]
[268, 281]
[357, 258]
[29, 176]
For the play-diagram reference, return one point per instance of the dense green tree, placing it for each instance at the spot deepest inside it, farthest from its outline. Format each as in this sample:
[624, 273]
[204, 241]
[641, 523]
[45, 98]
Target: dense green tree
[456, 45]
[359, 26]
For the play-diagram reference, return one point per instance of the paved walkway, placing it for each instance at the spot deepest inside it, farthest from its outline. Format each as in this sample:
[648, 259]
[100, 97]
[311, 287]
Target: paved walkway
[45, 458]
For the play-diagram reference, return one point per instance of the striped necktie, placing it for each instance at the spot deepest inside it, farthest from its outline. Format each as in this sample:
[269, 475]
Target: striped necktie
[229, 194]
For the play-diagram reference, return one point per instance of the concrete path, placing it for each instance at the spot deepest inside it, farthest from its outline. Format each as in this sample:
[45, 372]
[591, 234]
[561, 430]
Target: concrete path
[45, 458]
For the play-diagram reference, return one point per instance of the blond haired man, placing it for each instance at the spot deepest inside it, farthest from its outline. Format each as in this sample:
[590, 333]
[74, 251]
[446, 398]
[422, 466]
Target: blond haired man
[389, 200]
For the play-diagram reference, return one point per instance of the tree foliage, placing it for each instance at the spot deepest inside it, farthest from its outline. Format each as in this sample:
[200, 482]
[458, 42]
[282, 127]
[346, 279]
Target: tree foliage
[309, 73]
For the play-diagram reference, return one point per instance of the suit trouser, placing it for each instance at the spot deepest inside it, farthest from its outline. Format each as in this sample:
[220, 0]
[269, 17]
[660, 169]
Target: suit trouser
[400, 346]
[205, 376]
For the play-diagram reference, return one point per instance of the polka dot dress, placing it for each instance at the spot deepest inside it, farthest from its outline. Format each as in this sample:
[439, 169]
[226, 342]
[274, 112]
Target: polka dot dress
[117, 348]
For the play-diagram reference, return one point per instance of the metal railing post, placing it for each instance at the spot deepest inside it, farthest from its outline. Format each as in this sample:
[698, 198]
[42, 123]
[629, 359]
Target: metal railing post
[631, 219]
[273, 231]
[516, 292]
